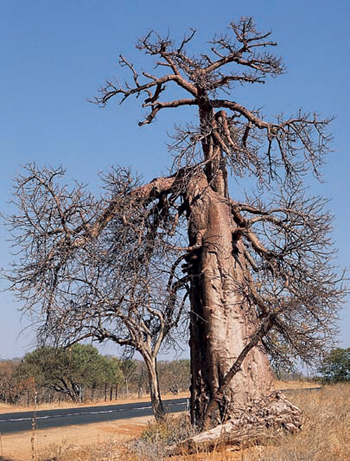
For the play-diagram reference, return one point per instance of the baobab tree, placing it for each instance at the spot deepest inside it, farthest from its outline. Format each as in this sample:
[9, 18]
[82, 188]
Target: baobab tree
[258, 270]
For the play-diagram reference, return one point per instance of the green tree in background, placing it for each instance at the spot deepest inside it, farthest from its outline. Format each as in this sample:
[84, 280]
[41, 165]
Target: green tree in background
[112, 375]
[69, 371]
[335, 366]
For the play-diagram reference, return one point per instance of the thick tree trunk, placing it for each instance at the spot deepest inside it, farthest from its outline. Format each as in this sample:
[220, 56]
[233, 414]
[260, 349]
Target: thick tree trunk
[221, 321]
[156, 401]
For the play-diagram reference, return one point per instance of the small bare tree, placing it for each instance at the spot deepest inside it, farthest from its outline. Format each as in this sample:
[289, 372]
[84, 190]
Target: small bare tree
[259, 270]
[91, 271]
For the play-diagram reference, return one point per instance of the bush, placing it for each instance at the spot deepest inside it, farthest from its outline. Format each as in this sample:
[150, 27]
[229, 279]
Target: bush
[159, 435]
[335, 367]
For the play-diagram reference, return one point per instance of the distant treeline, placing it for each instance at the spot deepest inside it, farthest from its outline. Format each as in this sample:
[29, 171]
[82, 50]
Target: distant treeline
[81, 374]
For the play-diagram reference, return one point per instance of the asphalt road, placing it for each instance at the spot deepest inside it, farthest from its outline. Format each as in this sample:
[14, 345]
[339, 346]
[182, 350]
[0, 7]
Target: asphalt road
[46, 419]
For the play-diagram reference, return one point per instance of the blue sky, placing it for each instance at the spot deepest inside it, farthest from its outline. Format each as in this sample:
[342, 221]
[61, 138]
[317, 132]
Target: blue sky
[56, 54]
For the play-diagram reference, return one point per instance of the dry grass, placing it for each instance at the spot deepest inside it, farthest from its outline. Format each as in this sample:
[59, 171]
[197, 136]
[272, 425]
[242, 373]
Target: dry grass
[157, 437]
[325, 437]
[326, 431]
[97, 452]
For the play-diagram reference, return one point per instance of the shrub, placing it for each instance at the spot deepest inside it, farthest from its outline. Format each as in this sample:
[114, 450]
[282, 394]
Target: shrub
[159, 435]
[335, 367]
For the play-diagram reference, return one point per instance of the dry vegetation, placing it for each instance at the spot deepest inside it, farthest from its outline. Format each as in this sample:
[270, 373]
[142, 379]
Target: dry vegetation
[325, 437]
[96, 452]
